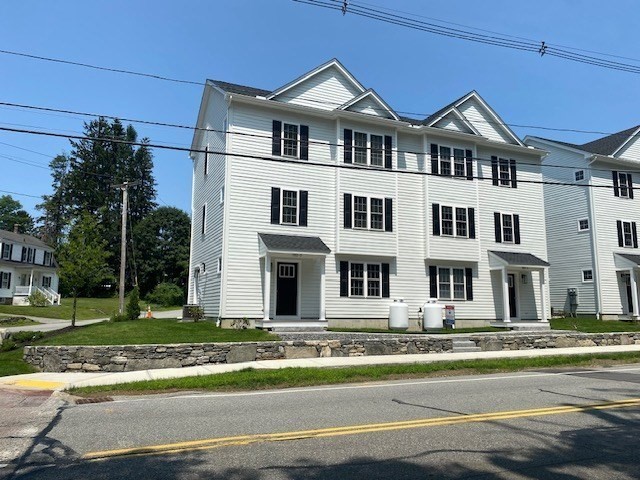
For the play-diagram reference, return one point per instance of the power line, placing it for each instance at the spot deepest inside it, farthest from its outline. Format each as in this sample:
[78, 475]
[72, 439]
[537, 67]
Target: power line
[496, 40]
[305, 162]
[268, 137]
[20, 194]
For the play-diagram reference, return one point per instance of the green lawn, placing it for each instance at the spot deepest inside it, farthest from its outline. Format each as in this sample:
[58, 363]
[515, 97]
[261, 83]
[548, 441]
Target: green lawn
[593, 325]
[6, 322]
[88, 308]
[303, 377]
[11, 363]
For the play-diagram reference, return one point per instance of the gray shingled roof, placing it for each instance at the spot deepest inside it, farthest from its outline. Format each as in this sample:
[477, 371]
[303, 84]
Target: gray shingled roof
[435, 115]
[293, 243]
[521, 259]
[632, 258]
[602, 146]
[26, 266]
[22, 238]
[241, 89]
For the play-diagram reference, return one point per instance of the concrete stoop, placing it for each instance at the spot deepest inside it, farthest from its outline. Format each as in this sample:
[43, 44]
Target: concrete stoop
[461, 345]
[522, 326]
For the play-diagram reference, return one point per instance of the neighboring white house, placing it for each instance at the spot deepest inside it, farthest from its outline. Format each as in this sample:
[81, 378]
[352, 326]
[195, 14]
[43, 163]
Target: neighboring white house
[316, 203]
[592, 229]
[26, 265]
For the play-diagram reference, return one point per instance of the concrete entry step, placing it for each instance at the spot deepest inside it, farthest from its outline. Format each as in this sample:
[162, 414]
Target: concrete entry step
[292, 326]
[522, 326]
[464, 345]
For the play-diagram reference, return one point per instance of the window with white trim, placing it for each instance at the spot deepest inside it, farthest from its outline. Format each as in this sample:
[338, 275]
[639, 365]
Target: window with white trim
[46, 282]
[587, 276]
[627, 234]
[5, 280]
[6, 251]
[452, 160]
[290, 140]
[365, 280]
[451, 283]
[368, 149]
[289, 204]
[504, 172]
[583, 224]
[579, 175]
[507, 228]
[47, 260]
[368, 213]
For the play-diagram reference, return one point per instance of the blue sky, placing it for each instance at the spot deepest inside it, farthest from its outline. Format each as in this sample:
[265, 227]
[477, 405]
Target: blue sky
[267, 43]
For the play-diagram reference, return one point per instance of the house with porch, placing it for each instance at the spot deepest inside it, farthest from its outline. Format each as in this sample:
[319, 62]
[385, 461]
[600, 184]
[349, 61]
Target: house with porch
[317, 204]
[592, 228]
[27, 265]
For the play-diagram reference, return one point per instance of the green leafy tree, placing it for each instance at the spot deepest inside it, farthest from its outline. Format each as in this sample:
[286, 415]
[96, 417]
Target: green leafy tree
[162, 241]
[83, 259]
[11, 213]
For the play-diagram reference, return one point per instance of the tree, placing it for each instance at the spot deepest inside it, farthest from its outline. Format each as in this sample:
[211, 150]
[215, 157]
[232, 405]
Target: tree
[132, 310]
[11, 213]
[83, 259]
[162, 242]
[55, 207]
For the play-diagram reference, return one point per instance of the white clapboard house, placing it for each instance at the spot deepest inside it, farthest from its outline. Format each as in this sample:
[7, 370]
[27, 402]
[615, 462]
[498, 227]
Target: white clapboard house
[27, 265]
[592, 230]
[315, 203]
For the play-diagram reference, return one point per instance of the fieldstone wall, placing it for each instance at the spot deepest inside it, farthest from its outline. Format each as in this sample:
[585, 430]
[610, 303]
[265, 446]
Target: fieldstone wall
[118, 358]
[528, 341]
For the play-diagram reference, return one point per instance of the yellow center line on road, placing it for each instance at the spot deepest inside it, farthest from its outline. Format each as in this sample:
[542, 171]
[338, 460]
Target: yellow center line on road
[353, 430]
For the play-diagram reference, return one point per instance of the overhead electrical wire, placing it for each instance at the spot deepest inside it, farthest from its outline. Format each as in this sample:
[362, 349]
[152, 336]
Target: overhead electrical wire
[298, 162]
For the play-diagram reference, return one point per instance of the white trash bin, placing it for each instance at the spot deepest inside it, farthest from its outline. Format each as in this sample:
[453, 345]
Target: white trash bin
[398, 315]
[432, 314]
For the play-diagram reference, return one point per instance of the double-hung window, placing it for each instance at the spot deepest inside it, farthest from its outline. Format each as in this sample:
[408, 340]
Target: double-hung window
[360, 148]
[507, 227]
[46, 282]
[289, 206]
[446, 160]
[377, 155]
[290, 140]
[503, 172]
[451, 283]
[363, 148]
[365, 280]
[622, 184]
[6, 251]
[453, 221]
[360, 217]
[377, 214]
[368, 213]
[47, 259]
[5, 279]
[627, 234]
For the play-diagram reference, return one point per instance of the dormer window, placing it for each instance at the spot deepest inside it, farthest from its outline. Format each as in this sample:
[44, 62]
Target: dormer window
[7, 249]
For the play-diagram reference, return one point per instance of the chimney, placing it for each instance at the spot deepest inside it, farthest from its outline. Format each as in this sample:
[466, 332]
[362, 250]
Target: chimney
[16, 228]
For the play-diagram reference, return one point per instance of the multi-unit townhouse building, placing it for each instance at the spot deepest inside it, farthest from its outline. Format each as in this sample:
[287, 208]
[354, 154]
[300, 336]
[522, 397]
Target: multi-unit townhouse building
[592, 228]
[26, 265]
[316, 203]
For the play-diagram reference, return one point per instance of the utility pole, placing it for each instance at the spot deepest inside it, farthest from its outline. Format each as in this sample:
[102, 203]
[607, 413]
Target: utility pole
[123, 243]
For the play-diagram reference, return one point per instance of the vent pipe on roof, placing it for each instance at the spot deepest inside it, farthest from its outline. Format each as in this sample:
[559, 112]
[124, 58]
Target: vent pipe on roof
[16, 228]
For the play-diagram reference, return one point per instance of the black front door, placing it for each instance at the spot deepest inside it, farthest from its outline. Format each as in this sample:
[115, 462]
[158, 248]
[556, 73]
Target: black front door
[287, 289]
[513, 311]
[627, 282]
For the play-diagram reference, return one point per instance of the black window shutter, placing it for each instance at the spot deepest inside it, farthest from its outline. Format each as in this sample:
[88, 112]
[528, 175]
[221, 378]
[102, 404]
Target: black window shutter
[304, 142]
[348, 143]
[276, 143]
[616, 186]
[434, 158]
[630, 184]
[471, 215]
[344, 279]
[494, 169]
[516, 229]
[469, 159]
[347, 210]
[620, 238]
[468, 273]
[23, 258]
[388, 150]
[498, 226]
[433, 281]
[302, 220]
[514, 176]
[388, 215]
[275, 205]
[385, 280]
[9, 281]
[634, 232]
[11, 252]
[435, 218]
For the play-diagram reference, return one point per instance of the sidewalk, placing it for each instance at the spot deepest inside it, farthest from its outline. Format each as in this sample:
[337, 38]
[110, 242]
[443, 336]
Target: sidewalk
[62, 381]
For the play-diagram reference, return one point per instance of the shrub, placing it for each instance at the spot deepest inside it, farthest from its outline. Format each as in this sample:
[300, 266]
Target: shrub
[8, 345]
[24, 337]
[167, 295]
[37, 299]
[196, 313]
[132, 310]
[116, 317]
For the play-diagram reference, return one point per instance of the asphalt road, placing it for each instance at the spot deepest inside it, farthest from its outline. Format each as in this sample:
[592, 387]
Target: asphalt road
[569, 424]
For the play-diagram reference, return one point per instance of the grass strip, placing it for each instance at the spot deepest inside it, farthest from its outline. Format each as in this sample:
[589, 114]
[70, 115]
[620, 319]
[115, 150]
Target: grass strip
[11, 363]
[250, 379]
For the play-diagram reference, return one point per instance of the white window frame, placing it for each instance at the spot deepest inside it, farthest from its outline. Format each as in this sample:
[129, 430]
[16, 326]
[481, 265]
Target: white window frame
[221, 195]
[44, 260]
[369, 213]
[31, 255]
[365, 279]
[513, 228]
[579, 173]
[504, 182]
[283, 139]
[452, 283]
[4, 280]
[6, 247]
[587, 280]
[282, 206]
[451, 161]
[46, 279]
[624, 239]
[454, 220]
[580, 229]
[624, 185]
[368, 147]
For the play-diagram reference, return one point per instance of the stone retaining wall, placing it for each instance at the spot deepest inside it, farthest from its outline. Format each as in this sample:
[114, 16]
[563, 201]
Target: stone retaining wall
[142, 357]
[118, 358]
